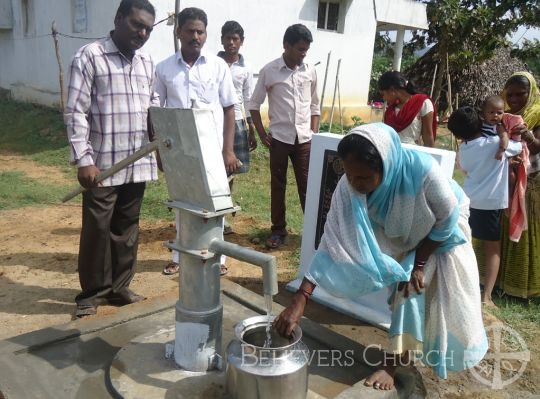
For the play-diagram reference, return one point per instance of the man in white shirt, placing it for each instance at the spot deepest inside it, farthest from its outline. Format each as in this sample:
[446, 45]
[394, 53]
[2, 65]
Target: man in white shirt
[293, 109]
[192, 78]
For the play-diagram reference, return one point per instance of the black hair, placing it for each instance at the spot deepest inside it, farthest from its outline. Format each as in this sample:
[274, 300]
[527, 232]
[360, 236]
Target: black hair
[362, 150]
[490, 100]
[295, 33]
[192, 13]
[395, 80]
[232, 27]
[518, 80]
[124, 9]
[465, 123]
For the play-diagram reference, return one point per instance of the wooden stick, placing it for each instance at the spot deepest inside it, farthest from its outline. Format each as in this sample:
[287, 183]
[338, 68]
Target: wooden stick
[339, 106]
[433, 81]
[60, 66]
[143, 151]
[176, 11]
[450, 110]
[324, 81]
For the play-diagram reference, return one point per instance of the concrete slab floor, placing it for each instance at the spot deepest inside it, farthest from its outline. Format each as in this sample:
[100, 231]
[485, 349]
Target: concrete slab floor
[71, 361]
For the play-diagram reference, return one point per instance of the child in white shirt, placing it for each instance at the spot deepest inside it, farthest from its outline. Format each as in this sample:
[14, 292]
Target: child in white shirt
[486, 184]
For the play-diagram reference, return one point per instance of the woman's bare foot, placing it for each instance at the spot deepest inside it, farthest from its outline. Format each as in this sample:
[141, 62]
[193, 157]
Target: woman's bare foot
[382, 379]
[487, 302]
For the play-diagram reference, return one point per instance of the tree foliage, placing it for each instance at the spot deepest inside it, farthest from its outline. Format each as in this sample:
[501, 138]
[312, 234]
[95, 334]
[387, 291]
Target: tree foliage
[530, 54]
[469, 31]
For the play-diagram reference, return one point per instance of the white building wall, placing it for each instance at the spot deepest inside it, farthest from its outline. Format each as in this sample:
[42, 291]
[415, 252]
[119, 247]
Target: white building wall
[28, 65]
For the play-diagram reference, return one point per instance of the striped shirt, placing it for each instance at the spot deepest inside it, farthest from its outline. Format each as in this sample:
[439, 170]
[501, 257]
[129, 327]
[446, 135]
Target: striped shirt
[489, 130]
[107, 110]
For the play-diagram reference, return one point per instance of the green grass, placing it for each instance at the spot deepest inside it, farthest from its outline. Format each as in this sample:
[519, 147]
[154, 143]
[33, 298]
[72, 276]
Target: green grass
[17, 190]
[32, 130]
[521, 314]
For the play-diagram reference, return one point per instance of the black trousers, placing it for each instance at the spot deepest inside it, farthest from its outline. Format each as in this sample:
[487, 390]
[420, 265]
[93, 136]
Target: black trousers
[279, 160]
[109, 240]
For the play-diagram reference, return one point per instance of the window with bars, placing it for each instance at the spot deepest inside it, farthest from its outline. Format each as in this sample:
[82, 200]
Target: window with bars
[328, 16]
[6, 14]
[28, 17]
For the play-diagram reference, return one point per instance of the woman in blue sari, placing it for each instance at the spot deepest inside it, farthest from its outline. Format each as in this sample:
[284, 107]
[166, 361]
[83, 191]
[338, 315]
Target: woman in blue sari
[396, 221]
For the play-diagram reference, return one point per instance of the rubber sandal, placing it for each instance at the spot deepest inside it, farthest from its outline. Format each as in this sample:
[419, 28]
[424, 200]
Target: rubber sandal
[223, 270]
[171, 268]
[275, 241]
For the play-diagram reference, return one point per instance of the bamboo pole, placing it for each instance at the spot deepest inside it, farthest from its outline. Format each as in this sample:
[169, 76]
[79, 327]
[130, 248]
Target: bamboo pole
[339, 106]
[334, 98]
[324, 81]
[60, 66]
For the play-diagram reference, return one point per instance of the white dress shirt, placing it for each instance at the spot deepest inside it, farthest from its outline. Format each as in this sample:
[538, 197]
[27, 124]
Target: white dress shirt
[207, 85]
[292, 100]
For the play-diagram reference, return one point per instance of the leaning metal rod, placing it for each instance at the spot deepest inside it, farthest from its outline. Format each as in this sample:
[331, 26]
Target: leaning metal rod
[143, 151]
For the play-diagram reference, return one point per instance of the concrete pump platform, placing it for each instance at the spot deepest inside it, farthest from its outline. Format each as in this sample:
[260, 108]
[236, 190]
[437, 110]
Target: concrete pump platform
[123, 356]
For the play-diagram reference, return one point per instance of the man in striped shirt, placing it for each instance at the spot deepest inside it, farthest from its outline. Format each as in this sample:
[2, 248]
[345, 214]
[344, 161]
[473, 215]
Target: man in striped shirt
[106, 117]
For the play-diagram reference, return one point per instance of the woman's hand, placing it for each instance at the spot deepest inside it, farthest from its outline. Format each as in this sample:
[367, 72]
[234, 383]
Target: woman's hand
[290, 317]
[520, 129]
[416, 282]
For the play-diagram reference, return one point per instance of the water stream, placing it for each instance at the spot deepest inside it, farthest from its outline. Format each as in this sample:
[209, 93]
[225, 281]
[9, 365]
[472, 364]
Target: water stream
[268, 300]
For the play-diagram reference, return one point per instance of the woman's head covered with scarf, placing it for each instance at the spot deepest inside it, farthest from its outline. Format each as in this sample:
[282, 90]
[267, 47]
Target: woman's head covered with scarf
[403, 169]
[522, 97]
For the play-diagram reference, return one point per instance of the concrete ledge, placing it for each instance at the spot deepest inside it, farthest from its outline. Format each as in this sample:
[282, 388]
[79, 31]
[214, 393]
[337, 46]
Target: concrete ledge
[37, 339]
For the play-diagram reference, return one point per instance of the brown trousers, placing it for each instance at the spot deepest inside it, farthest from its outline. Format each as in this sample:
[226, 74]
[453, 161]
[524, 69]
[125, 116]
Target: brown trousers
[279, 160]
[109, 240]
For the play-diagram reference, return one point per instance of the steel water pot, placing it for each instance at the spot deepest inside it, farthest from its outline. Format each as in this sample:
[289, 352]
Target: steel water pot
[279, 371]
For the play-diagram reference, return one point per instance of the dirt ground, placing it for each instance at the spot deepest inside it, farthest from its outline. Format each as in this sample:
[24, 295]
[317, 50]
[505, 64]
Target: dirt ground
[38, 258]
[38, 278]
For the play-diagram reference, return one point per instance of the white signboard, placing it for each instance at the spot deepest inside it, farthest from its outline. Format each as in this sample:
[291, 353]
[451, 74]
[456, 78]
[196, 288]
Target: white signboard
[324, 172]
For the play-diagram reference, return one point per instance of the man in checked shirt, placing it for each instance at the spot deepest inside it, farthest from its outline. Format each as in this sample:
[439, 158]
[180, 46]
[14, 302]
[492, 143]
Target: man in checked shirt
[106, 116]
